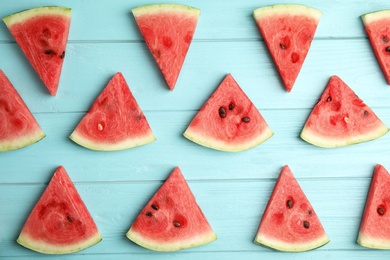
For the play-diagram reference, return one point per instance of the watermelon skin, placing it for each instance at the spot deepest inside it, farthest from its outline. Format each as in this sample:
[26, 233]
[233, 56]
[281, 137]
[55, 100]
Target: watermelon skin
[115, 121]
[42, 34]
[374, 229]
[377, 27]
[341, 118]
[18, 127]
[288, 30]
[155, 227]
[231, 133]
[59, 223]
[168, 30]
[283, 227]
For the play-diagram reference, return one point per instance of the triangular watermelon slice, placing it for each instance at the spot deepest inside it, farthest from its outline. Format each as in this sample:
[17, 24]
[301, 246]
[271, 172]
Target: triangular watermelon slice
[168, 30]
[42, 34]
[115, 121]
[288, 30]
[60, 222]
[375, 226]
[228, 121]
[289, 222]
[341, 118]
[377, 27]
[18, 127]
[172, 220]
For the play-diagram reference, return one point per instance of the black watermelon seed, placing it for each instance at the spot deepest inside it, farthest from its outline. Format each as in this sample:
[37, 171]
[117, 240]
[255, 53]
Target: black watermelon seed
[380, 211]
[62, 55]
[176, 223]
[154, 206]
[310, 212]
[231, 106]
[48, 52]
[365, 114]
[306, 224]
[245, 119]
[282, 46]
[329, 99]
[387, 49]
[69, 218]
[289, 204]
[385, 39]
[222, 112]
[149, 214]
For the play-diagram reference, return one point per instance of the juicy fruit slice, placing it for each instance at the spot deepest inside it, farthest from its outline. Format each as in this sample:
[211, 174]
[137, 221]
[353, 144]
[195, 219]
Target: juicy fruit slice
[377, 27]
[60, 222]
[341, 118]
[42, 34]
[18, 127]
[289, 222]
[228, 121]
[168, 30]
[375, 227]
[288, 30]
[172, 220]
[115, 121]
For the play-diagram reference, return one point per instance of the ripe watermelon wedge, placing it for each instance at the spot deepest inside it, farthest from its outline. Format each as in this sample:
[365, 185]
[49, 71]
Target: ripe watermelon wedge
[172, 220]
[42, 34]
[115, 121]
[228, 121]
[60, 222]
[18, 127]
[289, 222]
[375, 226]
[377, 27]
[288, 30]
[341, 118]
[168, 30]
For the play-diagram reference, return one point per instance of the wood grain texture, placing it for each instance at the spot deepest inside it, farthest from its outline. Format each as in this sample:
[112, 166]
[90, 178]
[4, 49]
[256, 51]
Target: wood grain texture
[231, 188]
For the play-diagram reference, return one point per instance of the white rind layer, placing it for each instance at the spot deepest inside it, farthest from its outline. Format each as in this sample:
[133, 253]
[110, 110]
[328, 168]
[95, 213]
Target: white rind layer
[288, 9]
[375, 16]
[157, 8]
[21, 141]
[373, 242]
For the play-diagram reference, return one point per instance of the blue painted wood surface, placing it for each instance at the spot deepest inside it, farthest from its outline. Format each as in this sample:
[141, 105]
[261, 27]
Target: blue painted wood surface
[232, 189]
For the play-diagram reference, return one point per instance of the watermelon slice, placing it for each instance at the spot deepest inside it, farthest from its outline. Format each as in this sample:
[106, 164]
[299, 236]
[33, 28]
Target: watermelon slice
[18, 127]
[59, 223]
[341, 118]
[228, 121]
[171, 220]
[289, 222]
[288, 30]
[377, 27]
[375, 227]
[115, 121]
[42, 34]
[168, 30]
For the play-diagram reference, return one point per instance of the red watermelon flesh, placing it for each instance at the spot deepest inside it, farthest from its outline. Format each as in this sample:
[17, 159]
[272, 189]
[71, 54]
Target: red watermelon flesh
[115, 121]
[18, 127]
[172, 220]
[228, 121]
[375, 226]
[289, 222]
[377, 27]
[341, 118]
[42, 34]
[168, 30]
[60, 222]
[288, 30]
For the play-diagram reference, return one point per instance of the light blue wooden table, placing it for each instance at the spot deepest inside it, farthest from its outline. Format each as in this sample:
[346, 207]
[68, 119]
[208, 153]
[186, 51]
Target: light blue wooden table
[231, 188]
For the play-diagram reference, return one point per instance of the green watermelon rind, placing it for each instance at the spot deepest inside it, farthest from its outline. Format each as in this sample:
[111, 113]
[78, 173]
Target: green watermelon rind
[291, 247]
[201, 239]
[43, 10]
[22, 141]
[46, 248]
[371, 242]
[328, 142]
[375, 16]
[288, 9]
[102, 146]
[157, 8]
[216, 144]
